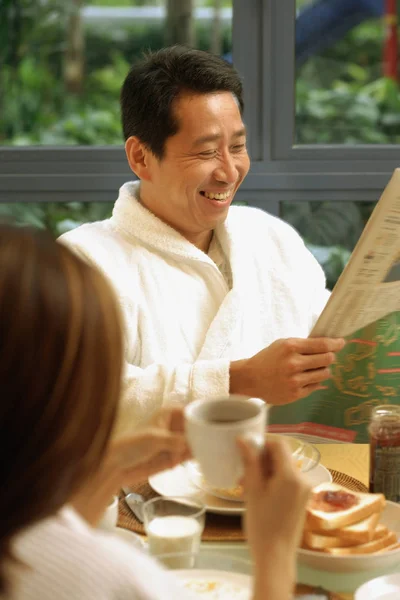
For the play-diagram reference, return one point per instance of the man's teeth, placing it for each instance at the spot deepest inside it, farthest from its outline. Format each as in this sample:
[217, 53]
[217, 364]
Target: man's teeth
[212, 196]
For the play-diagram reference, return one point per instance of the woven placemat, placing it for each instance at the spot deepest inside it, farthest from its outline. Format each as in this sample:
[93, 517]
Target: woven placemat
[347, 481]
[218, 528]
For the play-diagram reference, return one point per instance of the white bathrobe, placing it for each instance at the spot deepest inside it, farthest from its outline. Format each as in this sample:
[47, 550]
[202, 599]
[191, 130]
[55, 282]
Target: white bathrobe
[183, 324]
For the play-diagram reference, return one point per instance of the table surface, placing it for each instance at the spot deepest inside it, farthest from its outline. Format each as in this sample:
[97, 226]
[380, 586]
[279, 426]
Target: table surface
[353, 460]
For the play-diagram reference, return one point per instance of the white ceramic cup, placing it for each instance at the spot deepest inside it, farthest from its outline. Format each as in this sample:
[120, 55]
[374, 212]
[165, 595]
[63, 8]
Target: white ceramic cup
[212, 428]
[110, 516]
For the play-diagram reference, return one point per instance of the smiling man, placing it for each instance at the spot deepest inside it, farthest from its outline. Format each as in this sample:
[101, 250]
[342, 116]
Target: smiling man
[217, 299]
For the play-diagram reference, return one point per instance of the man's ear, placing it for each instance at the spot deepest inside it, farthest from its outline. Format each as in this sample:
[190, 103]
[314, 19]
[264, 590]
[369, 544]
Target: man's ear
[139, 158]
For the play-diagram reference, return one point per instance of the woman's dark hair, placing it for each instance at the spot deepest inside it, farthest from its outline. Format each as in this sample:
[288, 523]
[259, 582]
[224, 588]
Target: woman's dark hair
[153, 84]
[60, 376]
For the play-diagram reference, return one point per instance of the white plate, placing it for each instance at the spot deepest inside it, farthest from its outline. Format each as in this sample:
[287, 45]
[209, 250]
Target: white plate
[381, 588]
[205, 584]
[129, 537]
[362, 562]
[178, 482]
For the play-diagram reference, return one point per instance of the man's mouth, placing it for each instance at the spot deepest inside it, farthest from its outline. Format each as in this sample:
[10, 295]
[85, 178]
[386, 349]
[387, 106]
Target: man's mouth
[221, 196]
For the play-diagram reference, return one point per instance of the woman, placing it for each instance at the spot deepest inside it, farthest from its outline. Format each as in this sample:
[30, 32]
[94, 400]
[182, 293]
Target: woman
[60, 372]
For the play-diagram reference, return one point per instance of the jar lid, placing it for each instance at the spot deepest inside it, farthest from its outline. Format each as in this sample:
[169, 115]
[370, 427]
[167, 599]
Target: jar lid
[385, 410]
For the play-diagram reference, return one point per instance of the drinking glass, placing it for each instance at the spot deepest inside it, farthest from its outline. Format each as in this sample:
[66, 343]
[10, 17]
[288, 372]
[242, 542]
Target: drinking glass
[174, 526]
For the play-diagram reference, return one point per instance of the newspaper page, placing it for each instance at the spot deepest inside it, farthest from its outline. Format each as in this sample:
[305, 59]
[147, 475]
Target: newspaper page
[364, 307]
[369, 287]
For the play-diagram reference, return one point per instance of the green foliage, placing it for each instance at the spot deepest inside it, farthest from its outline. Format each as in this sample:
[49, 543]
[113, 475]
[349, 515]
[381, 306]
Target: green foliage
[36, 109]
[330, 230]
[57, 217]
[326, 223]
[332, 259]
[341, 96]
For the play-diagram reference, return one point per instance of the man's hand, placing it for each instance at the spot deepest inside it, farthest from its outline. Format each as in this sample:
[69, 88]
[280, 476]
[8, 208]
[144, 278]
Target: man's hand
[286, 370]
[159, 444]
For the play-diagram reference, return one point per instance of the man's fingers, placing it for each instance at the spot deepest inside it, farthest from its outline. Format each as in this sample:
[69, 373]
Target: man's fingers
[308, 389]
[308, 362]
[312, 377]
[316, 345]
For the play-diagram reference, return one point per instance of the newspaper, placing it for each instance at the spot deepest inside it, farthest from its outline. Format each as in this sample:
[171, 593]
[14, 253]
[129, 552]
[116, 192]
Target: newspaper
[364, 307]
[369, 287]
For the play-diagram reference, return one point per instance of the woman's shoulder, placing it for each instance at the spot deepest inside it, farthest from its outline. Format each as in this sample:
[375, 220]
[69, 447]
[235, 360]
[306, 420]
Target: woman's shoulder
[68, 559]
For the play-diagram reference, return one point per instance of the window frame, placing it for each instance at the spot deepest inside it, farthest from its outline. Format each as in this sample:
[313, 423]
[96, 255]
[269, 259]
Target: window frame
[263, 33]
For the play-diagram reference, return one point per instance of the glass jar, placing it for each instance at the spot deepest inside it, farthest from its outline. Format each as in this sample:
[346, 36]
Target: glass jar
[384, 432]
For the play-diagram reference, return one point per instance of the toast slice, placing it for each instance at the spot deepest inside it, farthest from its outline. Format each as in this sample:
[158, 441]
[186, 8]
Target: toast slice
[391, 547]
[359, 533]
[332, 507]
[376, 545]
[316, 541]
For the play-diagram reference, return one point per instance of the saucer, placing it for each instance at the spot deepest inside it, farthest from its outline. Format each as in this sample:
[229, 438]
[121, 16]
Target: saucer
[179, 482]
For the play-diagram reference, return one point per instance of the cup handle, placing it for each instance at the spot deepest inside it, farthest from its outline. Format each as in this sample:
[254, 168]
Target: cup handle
[312, 460]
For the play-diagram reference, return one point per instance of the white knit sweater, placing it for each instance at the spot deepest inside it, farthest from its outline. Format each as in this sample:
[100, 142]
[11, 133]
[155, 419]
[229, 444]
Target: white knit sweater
[183, 324]
[64, 559]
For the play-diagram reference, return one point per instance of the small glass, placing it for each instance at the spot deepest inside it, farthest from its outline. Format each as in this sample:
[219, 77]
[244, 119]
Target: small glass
[174, 526]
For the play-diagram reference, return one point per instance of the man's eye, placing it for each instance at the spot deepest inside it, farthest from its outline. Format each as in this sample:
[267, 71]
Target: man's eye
[238, 147]
[208, 153]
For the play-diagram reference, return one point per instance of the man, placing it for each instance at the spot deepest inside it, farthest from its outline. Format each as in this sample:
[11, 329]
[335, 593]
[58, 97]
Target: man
[207, 291]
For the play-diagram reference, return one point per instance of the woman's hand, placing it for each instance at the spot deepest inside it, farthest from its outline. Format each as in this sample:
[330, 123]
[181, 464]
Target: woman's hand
[276, 494]
[159, 444]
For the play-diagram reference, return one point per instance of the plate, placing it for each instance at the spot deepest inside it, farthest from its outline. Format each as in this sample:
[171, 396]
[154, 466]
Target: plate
[362, 562]
[178, 482]
[218, 585]
[306, 455]
[129, 537]
[381, 588]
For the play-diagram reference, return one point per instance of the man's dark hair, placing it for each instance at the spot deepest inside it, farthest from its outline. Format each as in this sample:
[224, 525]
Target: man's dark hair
[152, 85]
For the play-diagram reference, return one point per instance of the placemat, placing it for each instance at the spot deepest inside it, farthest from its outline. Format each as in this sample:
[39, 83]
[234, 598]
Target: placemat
[347, 481]
[218, 528]
[307, 592]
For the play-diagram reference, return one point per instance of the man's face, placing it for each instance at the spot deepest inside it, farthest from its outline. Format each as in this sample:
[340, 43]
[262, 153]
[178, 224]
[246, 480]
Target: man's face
[193, 185]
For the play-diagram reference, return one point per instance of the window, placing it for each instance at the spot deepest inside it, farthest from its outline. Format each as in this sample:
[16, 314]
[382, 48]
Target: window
[343, 50]
[329, 229]
[62, 66]
[64, 62]
[301, 150]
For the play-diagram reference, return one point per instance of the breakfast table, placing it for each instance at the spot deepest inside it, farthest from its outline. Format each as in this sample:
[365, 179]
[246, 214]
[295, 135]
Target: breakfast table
[351, 460]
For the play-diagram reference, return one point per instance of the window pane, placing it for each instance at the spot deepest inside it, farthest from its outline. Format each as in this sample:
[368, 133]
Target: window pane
[329, 229]
[343, 50]
[62, 62]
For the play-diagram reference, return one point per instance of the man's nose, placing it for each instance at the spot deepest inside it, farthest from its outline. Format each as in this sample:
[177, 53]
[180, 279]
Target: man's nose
[226, 171]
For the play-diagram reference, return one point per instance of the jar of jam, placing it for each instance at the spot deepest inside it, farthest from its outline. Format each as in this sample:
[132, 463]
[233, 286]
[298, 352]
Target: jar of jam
[384, 432]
